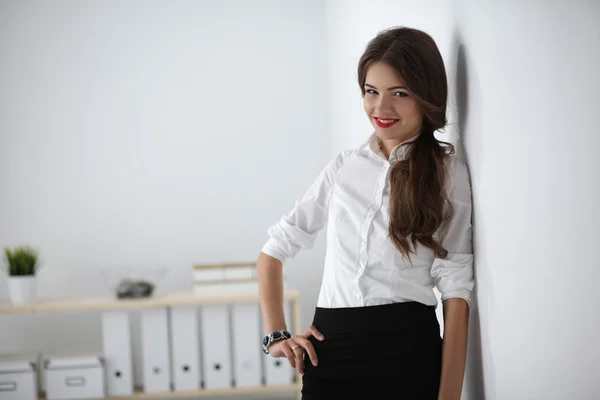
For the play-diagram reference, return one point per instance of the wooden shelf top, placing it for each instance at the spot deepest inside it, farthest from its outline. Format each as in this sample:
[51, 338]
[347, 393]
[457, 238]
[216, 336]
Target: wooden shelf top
[250, 264]
[104, 303]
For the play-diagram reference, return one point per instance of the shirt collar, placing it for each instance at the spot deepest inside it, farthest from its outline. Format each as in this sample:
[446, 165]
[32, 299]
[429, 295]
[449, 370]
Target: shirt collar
[372, 145]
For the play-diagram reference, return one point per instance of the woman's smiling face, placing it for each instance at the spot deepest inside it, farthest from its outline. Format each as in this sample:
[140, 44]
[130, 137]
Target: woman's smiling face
[393, 111]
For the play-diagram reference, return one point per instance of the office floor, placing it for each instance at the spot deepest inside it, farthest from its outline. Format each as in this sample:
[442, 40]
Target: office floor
[262, 396]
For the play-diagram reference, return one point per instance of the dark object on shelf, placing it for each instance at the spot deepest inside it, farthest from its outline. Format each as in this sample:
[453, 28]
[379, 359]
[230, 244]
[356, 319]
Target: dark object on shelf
[130, 289]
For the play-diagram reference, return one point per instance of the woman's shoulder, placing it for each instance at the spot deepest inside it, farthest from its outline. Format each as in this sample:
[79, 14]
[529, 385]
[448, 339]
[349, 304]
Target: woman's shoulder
[341, 158]
[456, 163]
[458, 171]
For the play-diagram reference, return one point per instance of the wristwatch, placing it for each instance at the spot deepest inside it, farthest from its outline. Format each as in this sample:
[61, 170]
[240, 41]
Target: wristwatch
[273, 337]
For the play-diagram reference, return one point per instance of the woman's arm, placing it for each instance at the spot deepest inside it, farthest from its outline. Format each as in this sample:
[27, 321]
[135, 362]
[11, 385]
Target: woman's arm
[269, 271]
[454, 279]
[270, 283]
[454, 353]
[294, 232]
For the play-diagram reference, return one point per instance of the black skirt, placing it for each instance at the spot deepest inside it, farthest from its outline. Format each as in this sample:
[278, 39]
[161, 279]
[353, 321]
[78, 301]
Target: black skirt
[376, 352]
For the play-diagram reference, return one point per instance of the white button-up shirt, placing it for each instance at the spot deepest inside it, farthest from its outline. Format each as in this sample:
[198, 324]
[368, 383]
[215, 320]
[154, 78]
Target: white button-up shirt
[362, 266]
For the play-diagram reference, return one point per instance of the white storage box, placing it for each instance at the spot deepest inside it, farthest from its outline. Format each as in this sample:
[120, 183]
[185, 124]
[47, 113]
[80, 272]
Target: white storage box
[18, 377]
[74, 378]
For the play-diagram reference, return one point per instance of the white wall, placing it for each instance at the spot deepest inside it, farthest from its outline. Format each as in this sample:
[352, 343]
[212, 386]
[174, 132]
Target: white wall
[528, 101]
[524, 90]
[136, 133]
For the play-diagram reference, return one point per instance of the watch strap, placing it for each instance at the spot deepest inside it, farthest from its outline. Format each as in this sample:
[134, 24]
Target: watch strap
[273, 337]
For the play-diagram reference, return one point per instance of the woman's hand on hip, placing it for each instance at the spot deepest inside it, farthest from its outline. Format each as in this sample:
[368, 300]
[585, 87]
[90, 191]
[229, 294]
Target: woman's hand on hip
[293, 349]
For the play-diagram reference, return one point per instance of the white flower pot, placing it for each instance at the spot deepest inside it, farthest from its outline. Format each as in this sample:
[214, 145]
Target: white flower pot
[22, 289]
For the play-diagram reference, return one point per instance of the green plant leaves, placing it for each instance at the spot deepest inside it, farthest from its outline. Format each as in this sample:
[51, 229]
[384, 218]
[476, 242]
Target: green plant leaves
[22, 261]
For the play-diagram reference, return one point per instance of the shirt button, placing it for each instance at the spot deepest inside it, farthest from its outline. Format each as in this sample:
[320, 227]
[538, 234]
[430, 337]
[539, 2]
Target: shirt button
[358, 297]
[363, 244]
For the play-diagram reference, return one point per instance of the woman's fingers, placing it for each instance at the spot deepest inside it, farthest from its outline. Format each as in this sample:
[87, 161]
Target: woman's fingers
[294, 348]
[310, 350]
[299, 353]
[313, 331]
[289, 354]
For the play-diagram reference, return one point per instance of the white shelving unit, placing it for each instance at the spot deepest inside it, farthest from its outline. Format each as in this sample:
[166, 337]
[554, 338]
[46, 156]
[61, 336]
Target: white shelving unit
[169, 301]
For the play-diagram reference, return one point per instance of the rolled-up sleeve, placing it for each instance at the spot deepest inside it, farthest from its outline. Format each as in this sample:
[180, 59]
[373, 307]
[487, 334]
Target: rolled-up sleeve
[299, 229]
[453, 275]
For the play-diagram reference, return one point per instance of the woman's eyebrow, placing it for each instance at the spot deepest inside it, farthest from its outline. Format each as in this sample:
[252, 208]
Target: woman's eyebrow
[392, 88]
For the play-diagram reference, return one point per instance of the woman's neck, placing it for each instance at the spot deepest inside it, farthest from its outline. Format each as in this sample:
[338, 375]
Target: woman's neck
[388, 145]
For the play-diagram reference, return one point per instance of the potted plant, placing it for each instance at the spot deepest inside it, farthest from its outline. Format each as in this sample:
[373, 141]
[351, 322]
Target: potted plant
[22, 263]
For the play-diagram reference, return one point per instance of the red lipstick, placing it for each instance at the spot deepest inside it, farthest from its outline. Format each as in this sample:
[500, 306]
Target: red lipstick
[388, 122]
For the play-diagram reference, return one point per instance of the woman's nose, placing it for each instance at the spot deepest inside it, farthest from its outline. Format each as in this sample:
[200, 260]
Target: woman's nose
[382, 104]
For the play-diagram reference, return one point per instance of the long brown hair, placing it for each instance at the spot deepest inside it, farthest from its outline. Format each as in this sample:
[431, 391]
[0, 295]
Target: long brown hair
[418, 204]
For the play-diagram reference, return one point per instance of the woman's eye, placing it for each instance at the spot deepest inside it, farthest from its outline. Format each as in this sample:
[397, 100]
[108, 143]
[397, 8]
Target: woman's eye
[371, 91]
[400, 94]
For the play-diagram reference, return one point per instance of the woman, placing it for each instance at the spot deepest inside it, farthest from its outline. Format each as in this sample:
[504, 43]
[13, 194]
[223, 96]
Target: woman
[398, 217]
